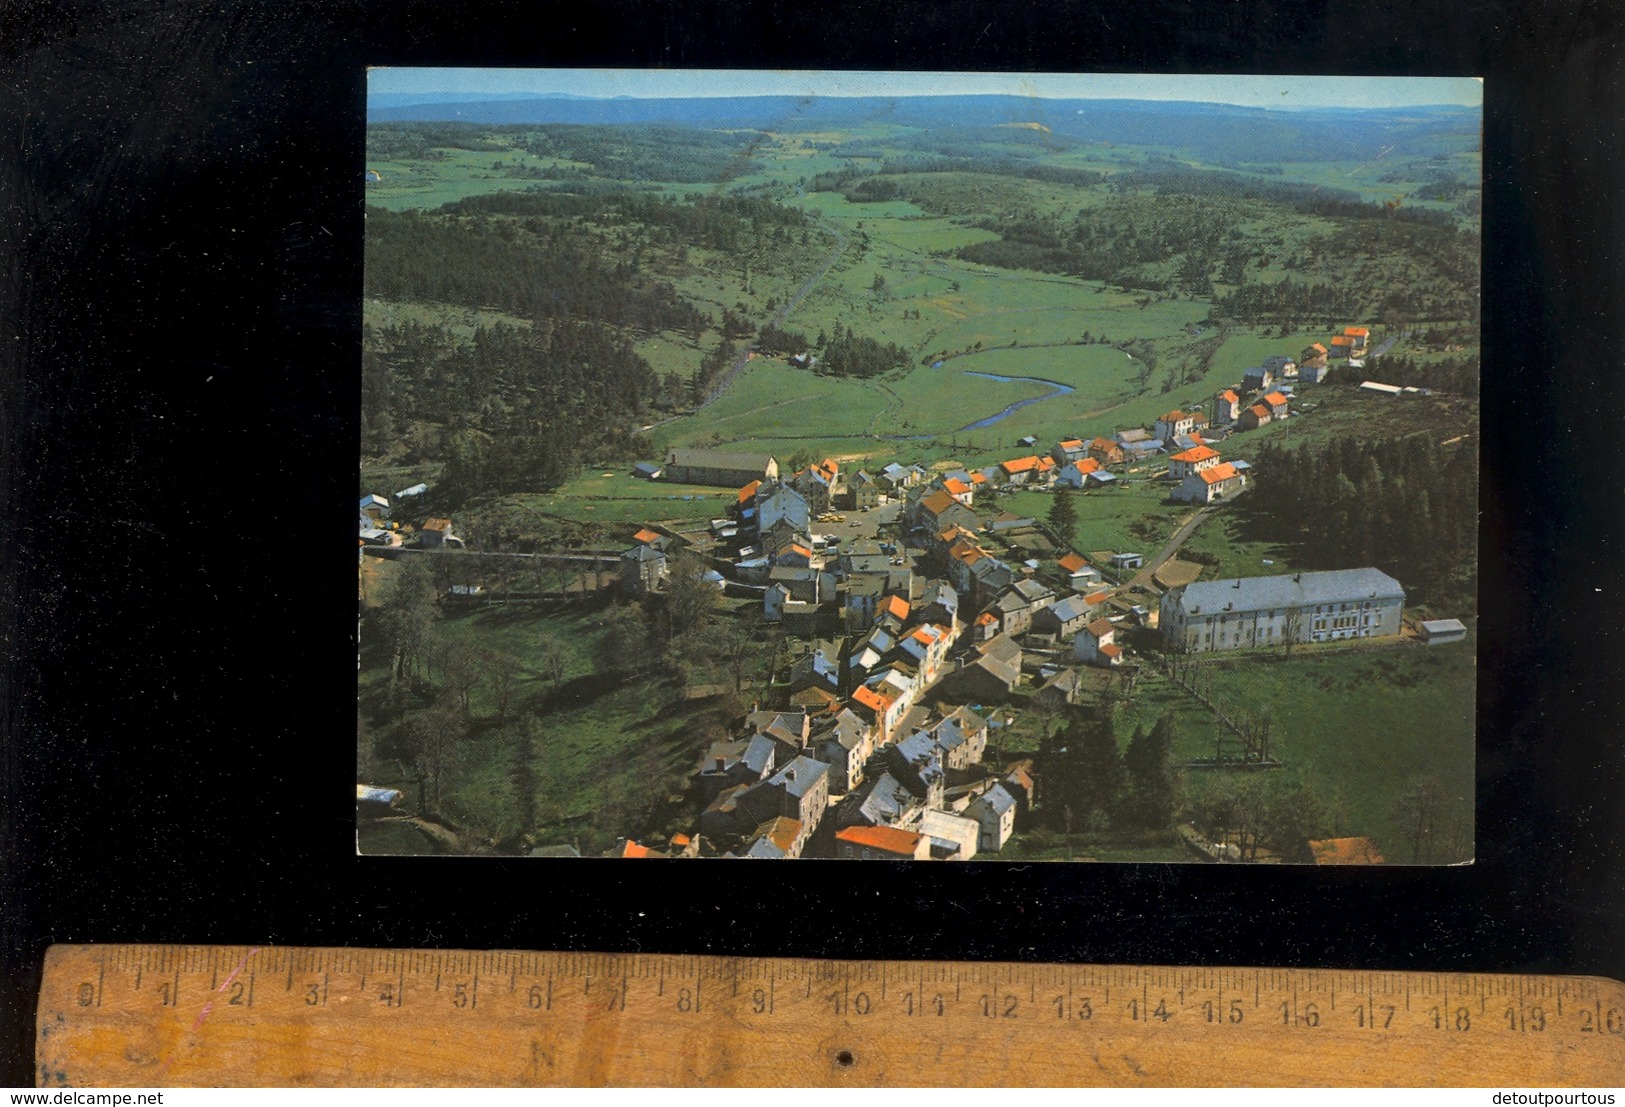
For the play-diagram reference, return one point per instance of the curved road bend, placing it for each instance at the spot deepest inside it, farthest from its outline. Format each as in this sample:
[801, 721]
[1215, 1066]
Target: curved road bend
[1142, 578]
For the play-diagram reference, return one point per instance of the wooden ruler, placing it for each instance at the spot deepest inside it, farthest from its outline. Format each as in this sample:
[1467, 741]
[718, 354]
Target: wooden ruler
[139, 1016]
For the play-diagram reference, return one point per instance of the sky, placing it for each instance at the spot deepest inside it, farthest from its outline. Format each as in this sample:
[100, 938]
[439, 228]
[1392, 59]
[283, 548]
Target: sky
[1257, 91]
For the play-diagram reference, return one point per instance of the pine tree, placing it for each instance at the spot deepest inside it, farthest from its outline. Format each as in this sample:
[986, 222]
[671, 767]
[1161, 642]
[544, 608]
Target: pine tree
[1063, 515]
[1150, 775]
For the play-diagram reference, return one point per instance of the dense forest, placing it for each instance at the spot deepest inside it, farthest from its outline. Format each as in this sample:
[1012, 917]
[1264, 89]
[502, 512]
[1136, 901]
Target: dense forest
[646, 153]
[521, 407]
[534, 271]
[1406, 506]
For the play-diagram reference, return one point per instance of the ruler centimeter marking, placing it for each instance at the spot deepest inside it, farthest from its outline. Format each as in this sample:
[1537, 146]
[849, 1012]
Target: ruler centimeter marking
[420, 1017]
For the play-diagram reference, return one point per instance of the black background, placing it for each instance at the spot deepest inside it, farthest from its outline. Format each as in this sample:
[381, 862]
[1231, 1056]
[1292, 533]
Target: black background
[180, 431]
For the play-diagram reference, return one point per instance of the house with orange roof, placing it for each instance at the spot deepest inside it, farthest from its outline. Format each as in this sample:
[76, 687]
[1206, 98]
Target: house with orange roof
[1256, 416]
[928, 646]
[748, 493]
[881, 843]
[626, 847]
[879, 708]
[1019, 470]
[436, 534]
[1075, 474]
[648, 537]
[1095, 644]
[1218, 482]
[939, 510]
[1226, 407]
[778, 838]
[1314, 354]
[1068, 450]
[1346, 851]
[896, 607]
[1276, 402]
[1079, 573]
[1194, 460]
[1171, 425]
[1358, 337]
[1106, 451]
[1341, 346]
[959, 490]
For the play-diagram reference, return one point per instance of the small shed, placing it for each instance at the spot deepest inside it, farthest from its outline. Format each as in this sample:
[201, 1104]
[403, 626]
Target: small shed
[1127, 560]
[1436, 632]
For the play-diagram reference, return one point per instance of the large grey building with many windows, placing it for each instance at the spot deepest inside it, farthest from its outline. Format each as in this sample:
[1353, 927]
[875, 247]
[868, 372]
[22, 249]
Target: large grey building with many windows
[1252, 612]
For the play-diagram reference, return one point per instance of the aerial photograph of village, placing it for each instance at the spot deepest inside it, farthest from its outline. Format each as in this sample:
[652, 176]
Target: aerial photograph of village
[911, 466]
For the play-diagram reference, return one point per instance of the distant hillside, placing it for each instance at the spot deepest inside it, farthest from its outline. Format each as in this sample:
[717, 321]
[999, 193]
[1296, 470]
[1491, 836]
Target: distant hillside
[1214, 131]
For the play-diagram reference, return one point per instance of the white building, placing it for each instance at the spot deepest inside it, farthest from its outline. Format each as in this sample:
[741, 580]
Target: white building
[1250, 612]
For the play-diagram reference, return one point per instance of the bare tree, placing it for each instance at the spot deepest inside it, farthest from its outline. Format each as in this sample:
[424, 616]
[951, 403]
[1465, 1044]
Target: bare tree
[1418, 812]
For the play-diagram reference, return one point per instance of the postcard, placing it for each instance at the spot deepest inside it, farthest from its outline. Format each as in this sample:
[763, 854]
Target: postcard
[919, 466]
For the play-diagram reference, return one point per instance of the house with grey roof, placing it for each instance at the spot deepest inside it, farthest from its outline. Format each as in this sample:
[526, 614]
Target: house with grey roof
[844, 743]
[962, 737]
[1249, 612]
[953, 837]
[881, 801]
[994, 812]
[1063, 618]
[719, 467]
[798, 791]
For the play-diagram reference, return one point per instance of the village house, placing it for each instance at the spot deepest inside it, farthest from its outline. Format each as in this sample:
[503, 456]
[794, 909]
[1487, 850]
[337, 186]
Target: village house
[861, 595]
[1173, 423]
[938, 511]
[1069, 450]
[1194, 460]
[862, 492]
[987, 676]
[718, 467]
[845, 743]
[1079, 573]
[959, 490]
[1096, 644]
[1284, 368]
[1020, 470]
[1358, 337]
[1226, 407]
[1257, 379]
[938, 603]
[881, 843]
[917, 763]
[1313, 356]
[1341, 346]
[881, 708]
[1063, 618]
[1314, 373]
[961, 735]
[1266, 611]
[729, 764]
[1074, 474]
[1256, 416]
[1217, 482]
[1277, 403]
[436, 534]
[375, 508]
[880, 801]
[643, 569]
[777, 839]
[953, 837]
[799, 791]
[1105, 451]
[927, 646]
[994, 812]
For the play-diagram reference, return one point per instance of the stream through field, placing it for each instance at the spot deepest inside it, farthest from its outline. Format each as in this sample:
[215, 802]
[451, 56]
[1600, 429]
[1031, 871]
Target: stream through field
[1055, 389]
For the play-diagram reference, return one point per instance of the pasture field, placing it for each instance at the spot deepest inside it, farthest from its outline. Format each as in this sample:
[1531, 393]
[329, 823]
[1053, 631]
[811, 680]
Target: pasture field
[1135, 519]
